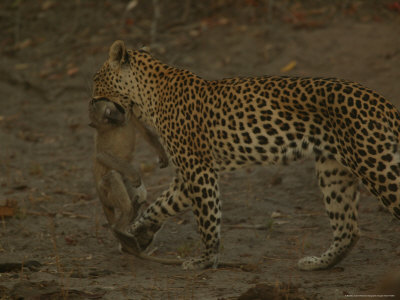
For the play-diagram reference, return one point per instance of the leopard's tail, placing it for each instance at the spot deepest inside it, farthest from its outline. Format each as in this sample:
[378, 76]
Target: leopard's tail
[394, 208]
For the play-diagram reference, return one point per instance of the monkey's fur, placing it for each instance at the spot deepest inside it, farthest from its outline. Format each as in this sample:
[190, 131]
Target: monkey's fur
[118, 184]
[115, 177]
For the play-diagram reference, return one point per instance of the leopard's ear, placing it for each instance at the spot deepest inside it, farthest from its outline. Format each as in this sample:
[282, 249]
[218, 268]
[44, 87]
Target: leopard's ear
[117, 54]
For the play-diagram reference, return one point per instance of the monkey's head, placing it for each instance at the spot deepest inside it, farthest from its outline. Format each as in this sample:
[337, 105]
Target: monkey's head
[104, 114]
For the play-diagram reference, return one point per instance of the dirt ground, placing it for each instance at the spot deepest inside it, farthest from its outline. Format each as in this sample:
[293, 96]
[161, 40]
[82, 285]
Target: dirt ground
[56, 234]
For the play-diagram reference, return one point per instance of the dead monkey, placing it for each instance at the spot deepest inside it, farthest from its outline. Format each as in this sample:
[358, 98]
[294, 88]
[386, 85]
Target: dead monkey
[118, 184]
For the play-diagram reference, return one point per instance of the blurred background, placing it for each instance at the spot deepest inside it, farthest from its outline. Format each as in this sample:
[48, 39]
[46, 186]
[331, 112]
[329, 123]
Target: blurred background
[49, 211]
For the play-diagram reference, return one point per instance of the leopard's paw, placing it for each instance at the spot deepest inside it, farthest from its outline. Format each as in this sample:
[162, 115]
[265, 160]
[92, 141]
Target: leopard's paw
[200, 263]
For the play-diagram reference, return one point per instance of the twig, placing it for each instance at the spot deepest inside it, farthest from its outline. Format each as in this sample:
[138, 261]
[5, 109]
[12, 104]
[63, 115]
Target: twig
[181, 26]
[270, 8]
[310, 214]
[277, 258]
[157, 187]
[186, 11]
[152, 251]
[254, 227]
[52, 214]
[154, 24]
[376, 238]
[127, 247]
[75, 194]
[41, 214]
[17, 25]
[55, 248]
[303, 228]
[80, 202]
[75, 216]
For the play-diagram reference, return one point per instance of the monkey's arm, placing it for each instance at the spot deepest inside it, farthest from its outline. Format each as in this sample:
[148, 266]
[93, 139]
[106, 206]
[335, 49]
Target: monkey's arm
[152, 139]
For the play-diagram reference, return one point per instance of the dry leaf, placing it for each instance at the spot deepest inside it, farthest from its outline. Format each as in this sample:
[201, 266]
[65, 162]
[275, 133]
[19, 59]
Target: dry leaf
[72, 71]
[147, 167]
[21, 66]
[47, 4]
[56, 76]
[129, 21]
[24, 44]
[70, 240]
[194, 33]
[276, 214]
[132, 4]
[394, 6]
[289, 66]
[7, 211]
[223, 21]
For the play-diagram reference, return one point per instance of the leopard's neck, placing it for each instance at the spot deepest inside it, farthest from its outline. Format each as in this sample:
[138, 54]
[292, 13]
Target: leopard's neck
[162, 87]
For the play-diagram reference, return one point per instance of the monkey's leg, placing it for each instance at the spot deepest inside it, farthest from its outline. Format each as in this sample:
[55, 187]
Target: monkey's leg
[137, 195]
[114, 196]
[123, 167]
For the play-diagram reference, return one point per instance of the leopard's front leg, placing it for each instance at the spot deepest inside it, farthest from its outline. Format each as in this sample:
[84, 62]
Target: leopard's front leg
[172, 201]
[201, 191]
[206, 207]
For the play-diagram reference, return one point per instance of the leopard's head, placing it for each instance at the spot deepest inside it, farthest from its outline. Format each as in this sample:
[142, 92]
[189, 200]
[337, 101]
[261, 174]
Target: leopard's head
[122, 79]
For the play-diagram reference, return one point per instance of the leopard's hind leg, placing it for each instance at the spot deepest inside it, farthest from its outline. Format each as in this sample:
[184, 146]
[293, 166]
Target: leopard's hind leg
[340, 191]
[383, 180]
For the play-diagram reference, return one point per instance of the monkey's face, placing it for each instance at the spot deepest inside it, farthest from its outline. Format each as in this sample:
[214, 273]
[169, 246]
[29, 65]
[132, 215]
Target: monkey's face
[105, 114]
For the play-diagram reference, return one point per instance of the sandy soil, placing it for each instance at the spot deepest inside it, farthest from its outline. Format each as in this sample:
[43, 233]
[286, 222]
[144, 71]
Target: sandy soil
[57, 235]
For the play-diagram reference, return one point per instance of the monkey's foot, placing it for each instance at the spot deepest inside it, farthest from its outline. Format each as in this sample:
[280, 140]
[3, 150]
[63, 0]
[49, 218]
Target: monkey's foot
[128, 242]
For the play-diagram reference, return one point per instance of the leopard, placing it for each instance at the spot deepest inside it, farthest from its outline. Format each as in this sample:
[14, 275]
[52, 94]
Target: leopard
[211, 126]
